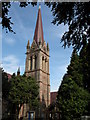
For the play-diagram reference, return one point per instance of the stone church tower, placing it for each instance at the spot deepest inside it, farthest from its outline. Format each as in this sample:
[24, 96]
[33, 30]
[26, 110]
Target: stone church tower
[37, 61]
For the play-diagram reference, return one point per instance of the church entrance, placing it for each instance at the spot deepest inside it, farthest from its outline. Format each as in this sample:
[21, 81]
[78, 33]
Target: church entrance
[31, 115]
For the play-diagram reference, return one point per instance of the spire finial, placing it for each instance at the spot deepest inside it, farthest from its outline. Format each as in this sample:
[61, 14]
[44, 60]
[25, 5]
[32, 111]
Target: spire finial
[28, 45]
[39, 5]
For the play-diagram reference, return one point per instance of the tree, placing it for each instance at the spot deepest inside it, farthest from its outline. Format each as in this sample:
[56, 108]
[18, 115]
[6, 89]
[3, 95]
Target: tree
[5, 85]
[23, 90]
[74, 69]
[5, 93]
[73, 99]
[6, 21]
[76, 16]
[85, 65]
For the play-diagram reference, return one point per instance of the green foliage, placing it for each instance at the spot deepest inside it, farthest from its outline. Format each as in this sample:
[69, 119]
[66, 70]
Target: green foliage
[74, 69]
[85, 65]
[5, 85]
[17, 91]
[73, 98]
[5, 93]
[23, 90]
[6, 20]
[76, 16]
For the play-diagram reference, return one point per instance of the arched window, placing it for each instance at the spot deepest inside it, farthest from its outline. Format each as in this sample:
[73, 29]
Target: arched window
[31, 63]
[35, 62]
[48, 66]
[42, 61]
[45, 64]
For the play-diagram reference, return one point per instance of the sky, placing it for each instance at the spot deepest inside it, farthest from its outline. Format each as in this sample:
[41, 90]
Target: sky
[14, 45]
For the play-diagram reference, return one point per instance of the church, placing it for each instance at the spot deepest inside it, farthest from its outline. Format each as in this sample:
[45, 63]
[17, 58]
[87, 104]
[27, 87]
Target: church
[37, 61]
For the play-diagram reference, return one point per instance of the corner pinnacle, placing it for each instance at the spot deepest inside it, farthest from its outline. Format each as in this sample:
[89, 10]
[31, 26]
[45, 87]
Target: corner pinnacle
[28, 45]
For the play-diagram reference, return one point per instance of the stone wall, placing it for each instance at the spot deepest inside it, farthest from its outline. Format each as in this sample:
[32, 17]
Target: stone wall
[37, 66]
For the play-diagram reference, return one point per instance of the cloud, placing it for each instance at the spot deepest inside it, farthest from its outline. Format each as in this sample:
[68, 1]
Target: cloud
[22, 32]
[10, 41]
[11, 64]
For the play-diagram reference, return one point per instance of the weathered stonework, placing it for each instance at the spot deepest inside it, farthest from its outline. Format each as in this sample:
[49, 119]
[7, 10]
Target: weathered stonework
[37, 62]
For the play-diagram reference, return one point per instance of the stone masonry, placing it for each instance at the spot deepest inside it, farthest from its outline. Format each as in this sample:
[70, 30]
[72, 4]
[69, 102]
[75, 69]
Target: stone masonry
[37, 61]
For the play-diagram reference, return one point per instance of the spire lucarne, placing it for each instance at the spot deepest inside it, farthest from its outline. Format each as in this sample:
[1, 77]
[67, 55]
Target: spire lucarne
[38, 34]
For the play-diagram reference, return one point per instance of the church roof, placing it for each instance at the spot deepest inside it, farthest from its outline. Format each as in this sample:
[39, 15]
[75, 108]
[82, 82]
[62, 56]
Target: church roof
[38, 35]
[53, 96]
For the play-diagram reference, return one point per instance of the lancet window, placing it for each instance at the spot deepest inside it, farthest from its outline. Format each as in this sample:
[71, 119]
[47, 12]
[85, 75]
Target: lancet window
[35, 62]
[42, 62]
[31, 63]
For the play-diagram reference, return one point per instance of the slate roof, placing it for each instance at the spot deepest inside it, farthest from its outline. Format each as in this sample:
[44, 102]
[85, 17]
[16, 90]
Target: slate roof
[38, 34]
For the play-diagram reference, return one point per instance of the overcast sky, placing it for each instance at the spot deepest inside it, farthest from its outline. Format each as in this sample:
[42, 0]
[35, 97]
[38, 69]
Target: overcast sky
[14, 45]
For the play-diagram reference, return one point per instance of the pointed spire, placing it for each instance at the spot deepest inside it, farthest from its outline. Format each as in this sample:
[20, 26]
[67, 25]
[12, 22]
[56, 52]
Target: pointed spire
[18, 71]
[47, 46]
[28, 45]
[39, 28]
